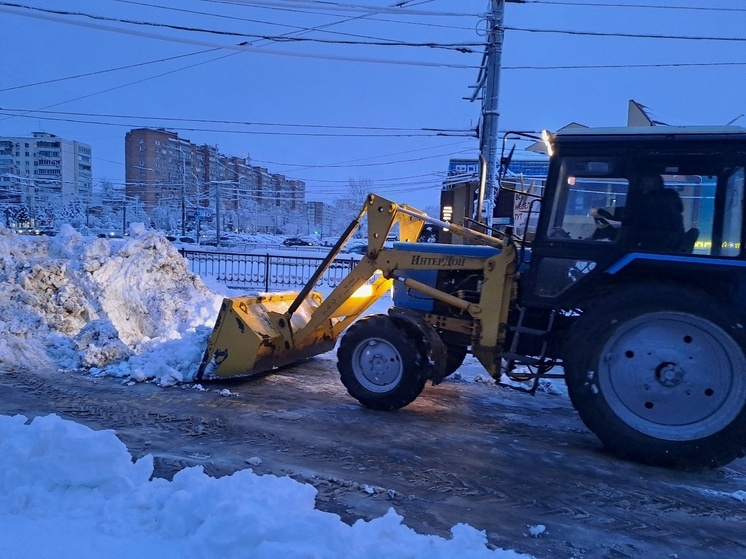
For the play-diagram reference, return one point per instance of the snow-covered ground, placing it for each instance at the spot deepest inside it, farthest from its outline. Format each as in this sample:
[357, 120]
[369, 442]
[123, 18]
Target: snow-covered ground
[129, 308]
[70, 492]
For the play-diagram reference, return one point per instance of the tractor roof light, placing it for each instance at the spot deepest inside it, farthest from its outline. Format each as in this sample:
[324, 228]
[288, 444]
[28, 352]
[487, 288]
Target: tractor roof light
[547, 138]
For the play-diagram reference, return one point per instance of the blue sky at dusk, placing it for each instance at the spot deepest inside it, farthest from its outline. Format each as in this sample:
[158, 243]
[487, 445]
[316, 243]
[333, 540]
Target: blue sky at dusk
[326, 92]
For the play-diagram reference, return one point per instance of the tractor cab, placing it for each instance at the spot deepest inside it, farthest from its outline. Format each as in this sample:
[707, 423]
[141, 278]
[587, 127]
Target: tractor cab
[626, 203]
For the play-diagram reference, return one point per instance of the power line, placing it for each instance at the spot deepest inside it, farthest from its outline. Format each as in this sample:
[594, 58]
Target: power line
[237, 47]
[128, 67]
[459, 47]
[166, 73]
[298, 29]
[322, 28]
[336, 7]
[298, 166]
[624, 35]
[239, 122]
[647, 6]
[380, 164]
[566, 67]
[615, 66]
[116, 87]
[377, 133]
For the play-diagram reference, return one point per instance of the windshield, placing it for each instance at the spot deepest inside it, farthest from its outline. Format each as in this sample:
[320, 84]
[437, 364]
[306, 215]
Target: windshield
[672, 204]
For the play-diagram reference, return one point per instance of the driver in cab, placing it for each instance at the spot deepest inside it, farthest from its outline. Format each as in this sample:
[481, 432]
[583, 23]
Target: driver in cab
[651, 220]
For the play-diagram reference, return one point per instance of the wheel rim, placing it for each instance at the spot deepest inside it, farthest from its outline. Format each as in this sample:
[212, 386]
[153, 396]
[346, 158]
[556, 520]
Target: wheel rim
[377, 365]
[673, 376]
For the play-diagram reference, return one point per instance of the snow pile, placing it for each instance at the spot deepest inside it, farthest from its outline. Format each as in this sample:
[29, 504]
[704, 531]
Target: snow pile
[75, 302]
[76, 491]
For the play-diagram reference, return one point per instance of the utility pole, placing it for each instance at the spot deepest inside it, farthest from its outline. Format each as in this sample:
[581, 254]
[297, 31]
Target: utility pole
[489, 85]
[217, 213]
[217, 202]
[490, 112]
[183, 188]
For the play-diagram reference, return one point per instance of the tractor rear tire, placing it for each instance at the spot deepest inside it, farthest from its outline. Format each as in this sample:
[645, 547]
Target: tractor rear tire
[380, 364]
[658, 373]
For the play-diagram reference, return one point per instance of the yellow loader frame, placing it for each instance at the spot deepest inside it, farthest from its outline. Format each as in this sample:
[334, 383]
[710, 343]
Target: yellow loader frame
[257, 334]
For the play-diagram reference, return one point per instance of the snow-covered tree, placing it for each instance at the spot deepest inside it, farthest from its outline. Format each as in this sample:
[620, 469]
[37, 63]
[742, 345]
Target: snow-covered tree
[347, 208]
[73, 213]
[165, 218]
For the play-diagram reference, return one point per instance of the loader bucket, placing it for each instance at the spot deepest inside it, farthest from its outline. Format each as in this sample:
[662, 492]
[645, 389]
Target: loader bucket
[257, 334]
[252, 336]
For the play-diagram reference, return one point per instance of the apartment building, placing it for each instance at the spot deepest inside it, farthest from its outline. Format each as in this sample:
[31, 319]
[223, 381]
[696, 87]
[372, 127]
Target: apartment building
[164, 170]
[44, 170]
[159, 167]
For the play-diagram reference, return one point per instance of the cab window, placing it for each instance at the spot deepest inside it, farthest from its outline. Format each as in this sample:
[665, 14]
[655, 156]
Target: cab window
[733, 213]
[586, 184]
[699, 209]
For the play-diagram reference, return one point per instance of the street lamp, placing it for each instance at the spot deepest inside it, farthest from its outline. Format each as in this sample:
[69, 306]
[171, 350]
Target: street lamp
[183, 208]
[182, 153]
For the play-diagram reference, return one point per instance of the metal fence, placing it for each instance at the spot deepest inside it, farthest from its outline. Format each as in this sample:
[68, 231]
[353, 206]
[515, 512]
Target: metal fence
[265, 271]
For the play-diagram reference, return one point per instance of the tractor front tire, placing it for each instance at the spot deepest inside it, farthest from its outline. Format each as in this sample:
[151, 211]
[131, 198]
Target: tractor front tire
[455, 355]
[658, 373]
[380, 364]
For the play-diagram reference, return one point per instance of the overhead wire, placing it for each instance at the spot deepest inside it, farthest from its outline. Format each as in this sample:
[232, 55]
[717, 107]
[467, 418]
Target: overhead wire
[558, 31]
[625, 35]
[242, 47]
[299, 29]
[323, 28]
[617, 66]
[370, 13]
[648, 6]
[107, 71]
[378, 134]
[337, 6]
[459, 47]
[352, 162]
[312, 30]
[232, 122]
[280, 38]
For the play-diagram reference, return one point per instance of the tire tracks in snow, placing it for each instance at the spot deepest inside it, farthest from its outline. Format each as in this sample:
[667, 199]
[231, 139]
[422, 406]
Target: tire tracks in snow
[463, 452]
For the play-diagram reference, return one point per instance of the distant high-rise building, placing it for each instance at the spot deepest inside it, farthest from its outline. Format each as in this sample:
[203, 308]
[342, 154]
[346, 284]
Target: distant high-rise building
[44, 170]
[159, 167]
[164, 170]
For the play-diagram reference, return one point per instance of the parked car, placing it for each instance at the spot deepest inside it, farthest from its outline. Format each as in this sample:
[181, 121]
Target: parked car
[328, 241]
[299, 242]
[356, 249]
[226, 241]
[29, 231]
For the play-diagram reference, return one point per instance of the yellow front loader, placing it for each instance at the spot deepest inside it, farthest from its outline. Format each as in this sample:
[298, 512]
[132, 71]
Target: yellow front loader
[257, 334]
[650, 334]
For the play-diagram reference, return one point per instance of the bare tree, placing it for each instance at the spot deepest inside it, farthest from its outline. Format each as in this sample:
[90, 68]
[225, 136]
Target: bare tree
[347, 207]
[358, 190]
